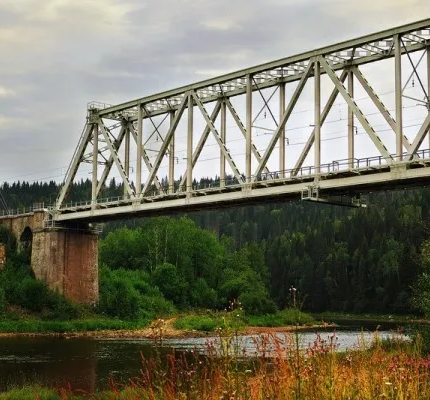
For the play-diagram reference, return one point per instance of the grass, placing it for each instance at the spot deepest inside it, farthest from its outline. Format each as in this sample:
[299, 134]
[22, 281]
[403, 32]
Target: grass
[210, 321]
[81, 325]
[205, 323]
[284, 372]
[396, 318]
[287, 317]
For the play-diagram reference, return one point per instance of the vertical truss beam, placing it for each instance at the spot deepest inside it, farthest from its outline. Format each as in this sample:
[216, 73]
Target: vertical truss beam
[202, 141]
[358, 113]
[110, 162]
[224, 140]
[172, 157]
[165, 144]
[127, 153]
[241, 127]
[95, 164]
[324, 116]
[248, 165]
[144, 155]
[399, 96]
[73, 169]
[114, 155]
[284, 119]
[351, 126]
[428, 88]
[190, 143]
[282, 133]
[317, 121]
[220, 142]
[139, 151]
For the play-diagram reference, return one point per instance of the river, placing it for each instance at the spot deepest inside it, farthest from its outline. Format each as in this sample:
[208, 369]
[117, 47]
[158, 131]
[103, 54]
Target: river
[88, 363]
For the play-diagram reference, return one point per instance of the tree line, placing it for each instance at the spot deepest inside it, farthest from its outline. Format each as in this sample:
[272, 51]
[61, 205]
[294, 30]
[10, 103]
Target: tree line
[339, 259]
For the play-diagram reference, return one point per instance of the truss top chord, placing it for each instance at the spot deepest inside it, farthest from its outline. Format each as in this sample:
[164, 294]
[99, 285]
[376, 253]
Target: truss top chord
[366, 49]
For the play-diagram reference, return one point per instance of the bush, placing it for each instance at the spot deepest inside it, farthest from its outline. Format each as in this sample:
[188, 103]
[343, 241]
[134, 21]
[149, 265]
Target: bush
[204, 323]
[32, 295]
[118, 298]
[168, 279]
[257, 303]
[2, 302]
[287, 317]
[9, 240]
[128, 294]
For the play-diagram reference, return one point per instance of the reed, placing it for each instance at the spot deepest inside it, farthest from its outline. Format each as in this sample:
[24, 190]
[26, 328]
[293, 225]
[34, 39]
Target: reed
[278, 369]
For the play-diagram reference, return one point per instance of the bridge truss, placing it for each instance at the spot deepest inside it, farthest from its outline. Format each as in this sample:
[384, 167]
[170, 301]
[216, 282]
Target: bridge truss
[139, 139]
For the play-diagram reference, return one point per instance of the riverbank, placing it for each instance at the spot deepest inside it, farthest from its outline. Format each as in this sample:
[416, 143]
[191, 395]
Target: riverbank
[198, 325]
[160, 329]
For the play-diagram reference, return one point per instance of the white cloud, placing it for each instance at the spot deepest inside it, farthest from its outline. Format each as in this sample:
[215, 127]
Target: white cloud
[5, 92]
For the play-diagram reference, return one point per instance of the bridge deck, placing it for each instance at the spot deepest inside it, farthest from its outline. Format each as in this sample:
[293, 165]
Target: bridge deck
[375, 176]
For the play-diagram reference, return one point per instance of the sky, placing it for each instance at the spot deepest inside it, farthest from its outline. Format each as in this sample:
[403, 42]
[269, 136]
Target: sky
[58, 55]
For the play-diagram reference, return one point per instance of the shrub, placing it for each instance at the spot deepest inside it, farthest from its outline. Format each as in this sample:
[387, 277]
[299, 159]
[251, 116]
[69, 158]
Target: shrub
[118, 298]
[2, 302]
[168, 279]
[204, 323]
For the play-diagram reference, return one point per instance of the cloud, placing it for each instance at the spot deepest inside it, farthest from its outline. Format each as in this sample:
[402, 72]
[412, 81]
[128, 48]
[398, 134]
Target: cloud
[58, 55]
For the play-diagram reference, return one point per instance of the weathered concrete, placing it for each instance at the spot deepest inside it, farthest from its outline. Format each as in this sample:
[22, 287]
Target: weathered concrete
[67, 261]
[65, 258]
[2, 255]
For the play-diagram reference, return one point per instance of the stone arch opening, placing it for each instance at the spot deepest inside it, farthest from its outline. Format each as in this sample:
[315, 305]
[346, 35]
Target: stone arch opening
[26, 239]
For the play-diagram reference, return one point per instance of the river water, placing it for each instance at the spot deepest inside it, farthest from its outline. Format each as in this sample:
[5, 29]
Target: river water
[88, 363]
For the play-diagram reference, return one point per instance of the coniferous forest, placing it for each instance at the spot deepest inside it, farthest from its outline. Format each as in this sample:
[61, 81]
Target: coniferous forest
[338, 258]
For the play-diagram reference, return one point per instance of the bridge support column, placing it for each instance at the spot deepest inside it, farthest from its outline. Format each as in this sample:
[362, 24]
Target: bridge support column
[67, 260]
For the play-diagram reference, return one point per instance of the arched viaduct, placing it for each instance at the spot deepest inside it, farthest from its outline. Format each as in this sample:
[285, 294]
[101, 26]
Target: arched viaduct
[65, 258]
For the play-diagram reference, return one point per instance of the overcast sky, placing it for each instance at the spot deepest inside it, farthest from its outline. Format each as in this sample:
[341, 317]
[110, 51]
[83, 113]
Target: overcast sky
[58, 55]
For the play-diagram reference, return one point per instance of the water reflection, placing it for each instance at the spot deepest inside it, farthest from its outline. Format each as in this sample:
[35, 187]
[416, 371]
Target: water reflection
[88, 364]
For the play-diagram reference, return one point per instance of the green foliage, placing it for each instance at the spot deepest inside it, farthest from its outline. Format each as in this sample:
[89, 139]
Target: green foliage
[346, 260]
[2, 303]
[32, 392]
[287, 317]
[81, 325]
[129, 295]
[9, 240]
[171, 283]
[206, 323]
[189, 266]
[421, 298]
[19, 287]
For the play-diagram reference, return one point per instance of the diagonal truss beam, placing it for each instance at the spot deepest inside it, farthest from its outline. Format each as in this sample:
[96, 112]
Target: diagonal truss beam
[76, 160]
[420, 137]
[202, 141]
[164, 146]
[114, 155]
[380, 105]
[241, 127]
[284, 119]
[145, 156]
[324, 116]
[356, 110]
[110, 161]
[220, 142]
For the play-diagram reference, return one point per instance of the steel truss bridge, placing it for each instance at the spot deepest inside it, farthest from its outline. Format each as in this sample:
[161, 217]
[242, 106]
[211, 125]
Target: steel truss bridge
[119, 140]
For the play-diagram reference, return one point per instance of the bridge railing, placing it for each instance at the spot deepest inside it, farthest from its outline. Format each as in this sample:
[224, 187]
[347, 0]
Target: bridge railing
[231, 183]
[26, 210]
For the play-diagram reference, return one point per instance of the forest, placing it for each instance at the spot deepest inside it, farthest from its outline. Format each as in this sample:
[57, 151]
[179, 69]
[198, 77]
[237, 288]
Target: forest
[365, 260]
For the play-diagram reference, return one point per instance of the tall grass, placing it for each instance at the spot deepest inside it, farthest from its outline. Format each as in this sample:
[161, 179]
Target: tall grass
[81, 325]
[281, 369]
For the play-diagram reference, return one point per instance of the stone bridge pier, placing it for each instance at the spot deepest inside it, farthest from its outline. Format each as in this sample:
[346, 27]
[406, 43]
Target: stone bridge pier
[65, 257]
